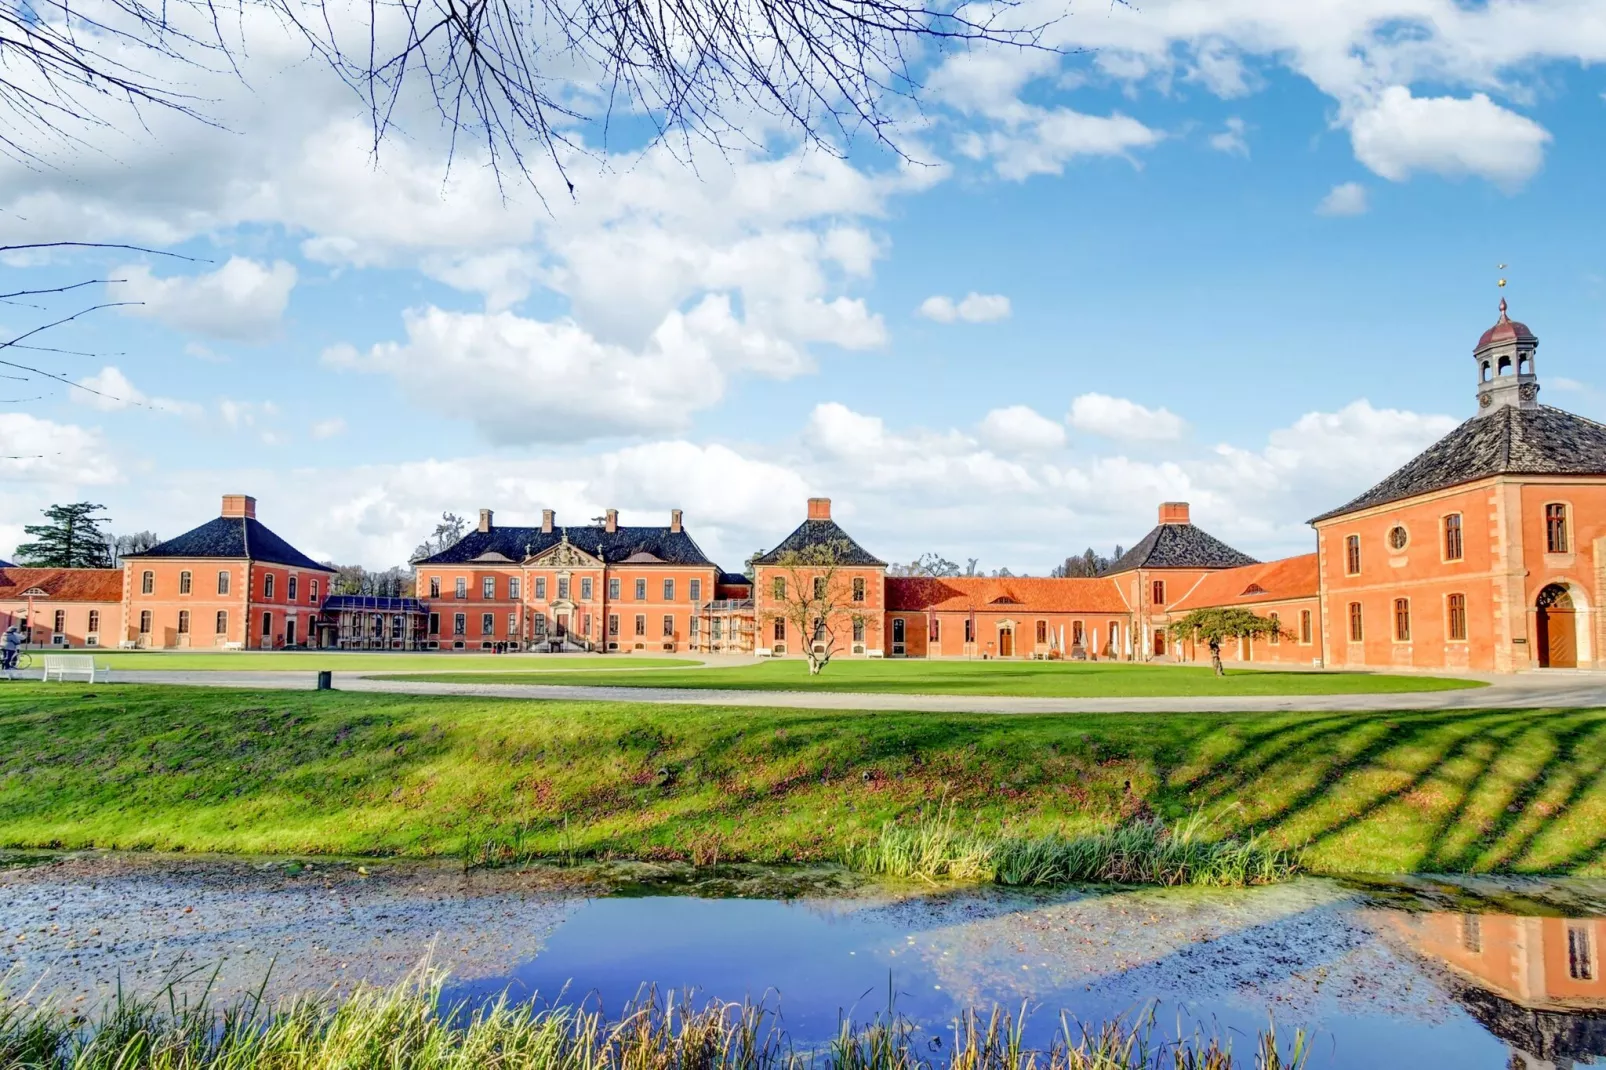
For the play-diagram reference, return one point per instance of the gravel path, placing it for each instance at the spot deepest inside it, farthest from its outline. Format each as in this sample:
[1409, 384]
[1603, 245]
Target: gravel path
[1522, 691]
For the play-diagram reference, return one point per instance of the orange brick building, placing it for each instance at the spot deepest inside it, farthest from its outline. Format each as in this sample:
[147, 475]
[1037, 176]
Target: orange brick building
[62, 607]
[597, 587]
[1486, 552]
[230, 583]
[819, 565]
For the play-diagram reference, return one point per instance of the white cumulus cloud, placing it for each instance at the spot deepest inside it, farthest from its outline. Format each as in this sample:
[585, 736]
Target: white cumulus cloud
[1401, 134]
[1020, 429]
[1348, 198]
[1120, 418]
[242, 300]
[972, 308]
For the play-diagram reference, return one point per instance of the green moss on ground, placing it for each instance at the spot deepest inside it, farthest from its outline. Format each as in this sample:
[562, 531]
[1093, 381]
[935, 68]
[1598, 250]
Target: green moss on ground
[198, 769]
[1110, 679]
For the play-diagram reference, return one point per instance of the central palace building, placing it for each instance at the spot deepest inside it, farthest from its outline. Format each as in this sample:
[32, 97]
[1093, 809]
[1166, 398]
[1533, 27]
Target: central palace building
[1487, 552]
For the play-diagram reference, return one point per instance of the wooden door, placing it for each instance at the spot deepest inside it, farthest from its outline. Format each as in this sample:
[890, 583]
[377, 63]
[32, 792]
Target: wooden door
[1159, 643]
[1558, 629]
[1558, 639]
[1006, 642]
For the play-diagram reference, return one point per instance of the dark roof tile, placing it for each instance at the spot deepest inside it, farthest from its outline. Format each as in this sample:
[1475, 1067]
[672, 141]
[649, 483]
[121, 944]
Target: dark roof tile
[1508, 441]
[236, 538]
[812, 533]
[513, 544]
[1179, 546]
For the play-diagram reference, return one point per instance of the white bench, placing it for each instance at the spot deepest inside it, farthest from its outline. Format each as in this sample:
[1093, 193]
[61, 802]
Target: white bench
[62, 666]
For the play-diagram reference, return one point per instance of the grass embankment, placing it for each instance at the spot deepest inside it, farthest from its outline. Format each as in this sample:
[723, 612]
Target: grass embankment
[405, 1028]
[1056, 679]
[363, 661]
[197, 769]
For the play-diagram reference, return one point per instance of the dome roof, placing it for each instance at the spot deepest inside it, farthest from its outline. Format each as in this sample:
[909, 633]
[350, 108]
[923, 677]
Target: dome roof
[1506, 330]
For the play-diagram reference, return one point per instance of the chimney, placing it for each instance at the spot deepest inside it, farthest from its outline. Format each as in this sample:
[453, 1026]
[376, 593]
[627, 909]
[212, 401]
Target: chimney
[239, 505]
[546, 521]
[1174, 513]
[612, 521]
[819, 508]
[485, 520]
[674, 521]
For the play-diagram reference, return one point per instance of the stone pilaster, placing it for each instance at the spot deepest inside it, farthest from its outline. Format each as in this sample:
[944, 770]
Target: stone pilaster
[1510, 572]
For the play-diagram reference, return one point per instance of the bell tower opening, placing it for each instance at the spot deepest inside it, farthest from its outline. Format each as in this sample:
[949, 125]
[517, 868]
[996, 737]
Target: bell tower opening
[1505, 360]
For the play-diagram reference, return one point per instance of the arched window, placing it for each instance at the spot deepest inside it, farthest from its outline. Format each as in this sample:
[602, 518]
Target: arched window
[1486, 373]
[1452, 537]
[1505, 366]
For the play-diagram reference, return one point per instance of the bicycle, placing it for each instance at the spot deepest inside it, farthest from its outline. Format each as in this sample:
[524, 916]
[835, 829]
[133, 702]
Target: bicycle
[24, 661]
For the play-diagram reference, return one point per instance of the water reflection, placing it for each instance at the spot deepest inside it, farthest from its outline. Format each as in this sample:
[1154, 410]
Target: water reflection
[1534, 982]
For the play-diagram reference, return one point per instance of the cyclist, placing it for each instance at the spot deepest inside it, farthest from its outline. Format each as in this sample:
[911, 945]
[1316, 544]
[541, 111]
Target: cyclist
[8, 652]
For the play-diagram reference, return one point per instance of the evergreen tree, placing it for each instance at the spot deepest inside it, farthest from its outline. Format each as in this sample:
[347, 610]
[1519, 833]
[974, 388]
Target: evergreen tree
[72, 539]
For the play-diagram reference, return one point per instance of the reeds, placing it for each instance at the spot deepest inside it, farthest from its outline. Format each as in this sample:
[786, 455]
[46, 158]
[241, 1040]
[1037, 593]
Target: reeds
[1141, 851]
[404, 1027]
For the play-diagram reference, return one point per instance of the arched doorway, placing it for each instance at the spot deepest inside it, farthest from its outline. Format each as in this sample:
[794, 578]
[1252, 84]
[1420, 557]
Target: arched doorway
[1557, 629]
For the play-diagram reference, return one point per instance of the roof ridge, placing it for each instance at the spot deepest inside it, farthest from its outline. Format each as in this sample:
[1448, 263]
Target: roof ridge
[245, 535]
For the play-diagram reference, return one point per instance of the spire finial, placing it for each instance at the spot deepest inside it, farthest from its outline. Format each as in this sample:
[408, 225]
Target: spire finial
[1503, 317]
[1502, 285]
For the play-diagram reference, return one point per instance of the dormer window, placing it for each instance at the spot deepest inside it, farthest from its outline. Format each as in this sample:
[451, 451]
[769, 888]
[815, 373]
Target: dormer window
[1254, 588]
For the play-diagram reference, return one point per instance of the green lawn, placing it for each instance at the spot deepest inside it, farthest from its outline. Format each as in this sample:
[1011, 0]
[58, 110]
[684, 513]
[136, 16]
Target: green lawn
[1042, 678]
[144, 766]
[359, 661]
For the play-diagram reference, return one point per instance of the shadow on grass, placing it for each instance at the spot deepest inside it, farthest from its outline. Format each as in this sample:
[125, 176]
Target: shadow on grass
[193, 769]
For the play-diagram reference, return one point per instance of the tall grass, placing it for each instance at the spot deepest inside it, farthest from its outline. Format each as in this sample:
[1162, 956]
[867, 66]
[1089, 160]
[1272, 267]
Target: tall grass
[1141, 851]
[405, 1028]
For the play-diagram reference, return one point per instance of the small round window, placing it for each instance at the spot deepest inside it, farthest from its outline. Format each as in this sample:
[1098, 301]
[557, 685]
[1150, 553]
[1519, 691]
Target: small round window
[1398, 537]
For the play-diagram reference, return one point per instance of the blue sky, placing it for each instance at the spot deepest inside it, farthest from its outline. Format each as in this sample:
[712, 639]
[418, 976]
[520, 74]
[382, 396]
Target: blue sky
[1233, 253]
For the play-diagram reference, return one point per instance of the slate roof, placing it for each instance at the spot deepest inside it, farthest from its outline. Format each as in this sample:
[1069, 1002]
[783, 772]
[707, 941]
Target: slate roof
[1508, 441]
[1179, 546]
[1004, 594]
[63, 584]
[733, 579]
[7, 564]
[1274, 581]
[515, 544]
[236, 538]
[817, 533]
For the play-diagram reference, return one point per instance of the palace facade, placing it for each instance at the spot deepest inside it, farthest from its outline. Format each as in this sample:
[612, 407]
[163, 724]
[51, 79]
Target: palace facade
[1487, 552]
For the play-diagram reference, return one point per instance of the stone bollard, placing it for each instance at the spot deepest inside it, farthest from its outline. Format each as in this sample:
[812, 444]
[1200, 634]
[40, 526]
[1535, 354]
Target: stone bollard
[326, 680]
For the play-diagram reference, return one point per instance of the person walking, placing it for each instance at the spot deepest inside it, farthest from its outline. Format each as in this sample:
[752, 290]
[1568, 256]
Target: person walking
[8, 652]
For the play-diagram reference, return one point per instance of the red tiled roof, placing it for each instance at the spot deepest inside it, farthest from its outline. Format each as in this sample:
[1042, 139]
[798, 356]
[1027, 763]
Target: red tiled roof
[1274, 581]
[980, 593]
[64, 584]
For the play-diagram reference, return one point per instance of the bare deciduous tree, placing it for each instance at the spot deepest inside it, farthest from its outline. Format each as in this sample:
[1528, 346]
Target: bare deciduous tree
[511, 74]
[812, 592]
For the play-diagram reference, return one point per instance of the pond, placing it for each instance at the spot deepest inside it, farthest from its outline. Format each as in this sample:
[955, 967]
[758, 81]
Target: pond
[1474, 973]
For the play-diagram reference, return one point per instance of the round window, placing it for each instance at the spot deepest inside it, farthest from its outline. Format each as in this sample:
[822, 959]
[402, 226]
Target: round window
[1398, 537]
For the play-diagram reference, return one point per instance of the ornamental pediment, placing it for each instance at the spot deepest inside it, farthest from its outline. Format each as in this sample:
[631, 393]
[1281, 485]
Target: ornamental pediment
[564, 555]
[36, 592]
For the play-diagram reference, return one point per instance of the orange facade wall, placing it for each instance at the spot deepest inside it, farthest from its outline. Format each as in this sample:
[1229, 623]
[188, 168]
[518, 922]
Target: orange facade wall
[599, 603]
[1493, 585]
[1019, 632]
[81, 623]
[264, 606]
[857, 627]
[1290, 648]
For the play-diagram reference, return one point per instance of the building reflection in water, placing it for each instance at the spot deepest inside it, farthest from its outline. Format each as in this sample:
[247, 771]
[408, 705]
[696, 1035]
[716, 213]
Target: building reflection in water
[1536, 983]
